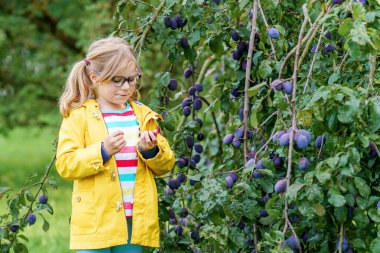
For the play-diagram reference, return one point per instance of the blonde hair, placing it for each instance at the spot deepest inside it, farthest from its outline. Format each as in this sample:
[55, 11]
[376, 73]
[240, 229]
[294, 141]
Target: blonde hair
[106, 56]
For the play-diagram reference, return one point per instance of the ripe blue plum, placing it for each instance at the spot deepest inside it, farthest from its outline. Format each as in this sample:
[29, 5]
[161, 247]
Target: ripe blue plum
[186, 101]
[242, 46]
[173, 24]
[284, 140]
[263, 213]
[184, 43]
[43, 199]
[230, 182]
[328, 35]
[178, 230]
[288, 87]
[319, 141]
[228, 139]
[276, 84]
[235, 36]
[280, 186]
[260, 165]
[329, 48]
[239, 132]
[303, 163]
[234, 176]
[192, 90]
[181, 177]
[167, 21]
[14, 228]
[236, 55]
[198, 148]
[31, 218]
[278, 162]
[273, 33]
[188, 72]
[302, 141]
[195, 235]
[171, 213]
[199, 87]
[172, 84]
[186, 111]
[256, 174]
[344, 244]
[294, 242]
[197, 104]
[236, 142]
[174, 183]
[189, 141]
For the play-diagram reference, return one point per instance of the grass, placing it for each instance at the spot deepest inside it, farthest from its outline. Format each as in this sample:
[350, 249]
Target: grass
[24, 152]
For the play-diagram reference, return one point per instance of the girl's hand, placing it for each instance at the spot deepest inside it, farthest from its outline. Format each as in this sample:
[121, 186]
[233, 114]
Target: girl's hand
[114, 142]
[148, 139]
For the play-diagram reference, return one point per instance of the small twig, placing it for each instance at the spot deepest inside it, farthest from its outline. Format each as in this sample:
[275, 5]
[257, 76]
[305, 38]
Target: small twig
[248, 74]
[294, 121]
[341, 238]
[151, 6]
[343, 61]
[42, 182]
[267, 119]
[205, 67]
[315, 26]
[314, 59]
[216, 127]
[148, 27]
[267, 26]
[372, 68]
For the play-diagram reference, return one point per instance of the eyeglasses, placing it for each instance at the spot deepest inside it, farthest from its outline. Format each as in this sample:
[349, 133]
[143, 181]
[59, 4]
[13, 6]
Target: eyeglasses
[119, 81]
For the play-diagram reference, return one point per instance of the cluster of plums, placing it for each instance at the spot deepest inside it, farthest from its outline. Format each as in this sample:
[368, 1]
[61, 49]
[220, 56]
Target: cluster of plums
[174, 23]
[236, 138]
[280, 85]
[193, 100]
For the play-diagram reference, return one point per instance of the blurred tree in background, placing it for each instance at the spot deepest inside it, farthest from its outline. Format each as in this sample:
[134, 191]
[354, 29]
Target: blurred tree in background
[39, 42]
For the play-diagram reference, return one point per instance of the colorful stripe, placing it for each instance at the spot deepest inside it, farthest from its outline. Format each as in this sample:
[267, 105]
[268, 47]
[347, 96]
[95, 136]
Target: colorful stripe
[126, 159]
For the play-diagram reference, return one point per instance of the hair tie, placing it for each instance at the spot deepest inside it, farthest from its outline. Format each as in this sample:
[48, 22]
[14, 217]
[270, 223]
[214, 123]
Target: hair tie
[86, 62]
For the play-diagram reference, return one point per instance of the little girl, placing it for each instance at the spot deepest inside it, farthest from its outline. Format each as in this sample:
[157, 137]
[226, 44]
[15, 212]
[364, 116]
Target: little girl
[111, 147]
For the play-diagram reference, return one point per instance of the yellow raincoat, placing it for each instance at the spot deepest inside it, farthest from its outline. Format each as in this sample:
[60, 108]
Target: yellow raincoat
[97, 217]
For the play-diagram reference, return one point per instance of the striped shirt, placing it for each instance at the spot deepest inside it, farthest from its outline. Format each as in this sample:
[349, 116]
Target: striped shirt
[126, 159]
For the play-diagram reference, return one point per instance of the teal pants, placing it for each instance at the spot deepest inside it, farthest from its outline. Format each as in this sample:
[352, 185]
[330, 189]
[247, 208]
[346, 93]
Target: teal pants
[125, 248]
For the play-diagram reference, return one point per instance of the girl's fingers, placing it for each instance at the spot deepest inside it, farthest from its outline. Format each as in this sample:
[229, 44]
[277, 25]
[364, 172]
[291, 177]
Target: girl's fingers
[152, 137]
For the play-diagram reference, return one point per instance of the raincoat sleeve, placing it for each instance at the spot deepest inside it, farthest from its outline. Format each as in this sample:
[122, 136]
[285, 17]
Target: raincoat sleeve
[164, 161]
[74, 159]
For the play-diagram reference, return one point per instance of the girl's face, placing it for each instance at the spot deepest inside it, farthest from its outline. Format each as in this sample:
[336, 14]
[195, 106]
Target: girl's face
[114, 93]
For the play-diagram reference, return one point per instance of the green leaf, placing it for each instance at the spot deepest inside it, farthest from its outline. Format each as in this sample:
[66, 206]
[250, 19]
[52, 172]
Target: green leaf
[323, 174]
[255, 89]
[375, 245]
[333, 78]
[345, 27]
[337, 200]
[374, 215]
[265, 70]
[291, 192]
[362, 186]
[348, 111]
[319, 209]
[359, 33]
[4, 190]
[374, 113]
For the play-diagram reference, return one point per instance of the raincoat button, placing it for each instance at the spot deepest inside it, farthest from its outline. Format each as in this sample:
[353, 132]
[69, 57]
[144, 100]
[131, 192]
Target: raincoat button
[78, 199]
[113, 175]
[159, 156]
[118, 206]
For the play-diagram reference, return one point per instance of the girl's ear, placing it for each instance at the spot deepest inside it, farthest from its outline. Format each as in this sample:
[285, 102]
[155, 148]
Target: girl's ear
[93, 77]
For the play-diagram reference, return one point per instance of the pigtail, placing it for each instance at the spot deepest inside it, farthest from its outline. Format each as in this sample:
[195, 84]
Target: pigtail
[77, 90]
